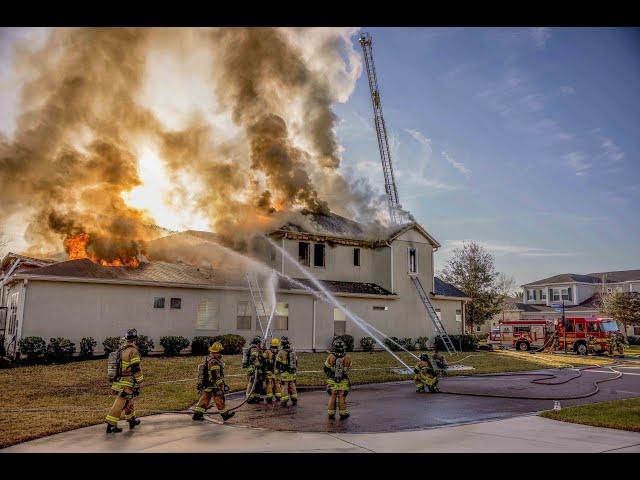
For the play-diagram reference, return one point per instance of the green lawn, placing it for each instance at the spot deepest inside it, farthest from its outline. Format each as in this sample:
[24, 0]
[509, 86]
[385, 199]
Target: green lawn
[620, 414]
[64, 397]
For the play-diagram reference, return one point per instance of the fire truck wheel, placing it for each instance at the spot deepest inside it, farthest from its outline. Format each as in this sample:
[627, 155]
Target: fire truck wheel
[581, 349]
[523, 346]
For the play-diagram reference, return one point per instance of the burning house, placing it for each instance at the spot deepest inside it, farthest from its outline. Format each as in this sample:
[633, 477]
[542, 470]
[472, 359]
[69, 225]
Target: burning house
[204, 290]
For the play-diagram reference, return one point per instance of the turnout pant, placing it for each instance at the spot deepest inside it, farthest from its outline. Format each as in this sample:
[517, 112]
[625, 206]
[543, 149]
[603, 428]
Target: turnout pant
[272, 387]
[338, 393]
[122, 404]
[259, 388]
[289, 390]
[205, 401]
[429, 381]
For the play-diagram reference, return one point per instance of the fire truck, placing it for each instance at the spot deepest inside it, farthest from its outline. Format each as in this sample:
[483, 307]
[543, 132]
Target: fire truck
[526, 334]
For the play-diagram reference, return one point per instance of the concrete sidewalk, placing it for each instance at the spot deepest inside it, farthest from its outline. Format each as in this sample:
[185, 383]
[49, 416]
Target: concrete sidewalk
[178, 433]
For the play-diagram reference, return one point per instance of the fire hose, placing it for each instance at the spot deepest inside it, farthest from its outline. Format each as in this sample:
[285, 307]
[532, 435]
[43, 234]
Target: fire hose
[547, 376]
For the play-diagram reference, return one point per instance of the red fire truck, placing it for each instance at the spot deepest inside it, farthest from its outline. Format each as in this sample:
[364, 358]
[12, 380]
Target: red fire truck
[525, 334]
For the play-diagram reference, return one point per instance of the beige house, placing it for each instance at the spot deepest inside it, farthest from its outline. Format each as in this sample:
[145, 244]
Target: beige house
[369, 275]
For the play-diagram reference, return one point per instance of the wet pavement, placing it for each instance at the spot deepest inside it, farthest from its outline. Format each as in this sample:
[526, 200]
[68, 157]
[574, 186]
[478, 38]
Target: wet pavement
[395, 406]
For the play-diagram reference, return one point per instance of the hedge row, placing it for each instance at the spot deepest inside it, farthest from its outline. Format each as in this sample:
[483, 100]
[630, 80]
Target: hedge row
[61, 349]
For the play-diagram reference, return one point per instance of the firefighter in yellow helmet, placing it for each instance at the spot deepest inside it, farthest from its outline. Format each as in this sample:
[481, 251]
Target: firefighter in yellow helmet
[617, 343]
[127, 386]
[254, 363]
[286, 366]
[272, 383]
[338, 384]
[213, 385]
[426, 374]
[441, 363]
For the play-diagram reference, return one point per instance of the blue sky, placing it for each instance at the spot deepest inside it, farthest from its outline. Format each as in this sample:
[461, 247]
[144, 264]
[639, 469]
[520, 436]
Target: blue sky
[525, 140]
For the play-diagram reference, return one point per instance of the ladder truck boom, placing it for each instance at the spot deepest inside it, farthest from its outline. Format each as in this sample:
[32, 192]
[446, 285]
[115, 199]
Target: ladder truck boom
[395, 209]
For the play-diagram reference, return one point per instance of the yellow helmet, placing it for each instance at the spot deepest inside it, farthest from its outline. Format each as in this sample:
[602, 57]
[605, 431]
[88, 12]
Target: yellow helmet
[275, 342]
[215, 347]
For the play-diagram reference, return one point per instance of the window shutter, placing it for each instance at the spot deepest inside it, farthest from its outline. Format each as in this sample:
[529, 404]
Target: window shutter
[551, 294]
[570, 296]
[534, 295]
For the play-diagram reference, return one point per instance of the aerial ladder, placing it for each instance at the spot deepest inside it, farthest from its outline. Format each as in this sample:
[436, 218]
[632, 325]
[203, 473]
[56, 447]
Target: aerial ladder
[397, 214]
[257, 300]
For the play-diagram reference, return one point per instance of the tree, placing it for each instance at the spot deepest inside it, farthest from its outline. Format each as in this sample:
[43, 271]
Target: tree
[624, 307]
[506, 285]
[472, 270]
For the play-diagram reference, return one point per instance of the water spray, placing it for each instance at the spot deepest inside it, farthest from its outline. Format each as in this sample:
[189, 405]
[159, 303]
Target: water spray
[353, 317]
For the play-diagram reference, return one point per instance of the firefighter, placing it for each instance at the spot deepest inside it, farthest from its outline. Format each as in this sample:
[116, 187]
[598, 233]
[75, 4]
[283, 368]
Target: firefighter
[272, 381]
[338, 384]
[127, 386]
[286, 366]
[592, 346]
[441, 363]
[214, 386]
[255, 371]
[426, 374]
[617, 343]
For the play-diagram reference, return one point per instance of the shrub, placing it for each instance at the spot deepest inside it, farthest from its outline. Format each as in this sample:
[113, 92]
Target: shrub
[33, 347]
[367, 344]
[408, 343]
[482, 336]
[347, 339]
[111, 344]
[145, 345]
[465, 343]
[389, 343]
[87, 344]
[173, 345]
[231, 343]
[60, 349]
[200, 345]
[421, 343]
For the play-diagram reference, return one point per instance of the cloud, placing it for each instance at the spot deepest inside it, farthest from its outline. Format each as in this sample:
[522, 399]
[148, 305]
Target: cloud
[612, 152]
[567, 90]
[540, 36]
[419, 137]
[457, 165]
[575, 161]
[498, 248]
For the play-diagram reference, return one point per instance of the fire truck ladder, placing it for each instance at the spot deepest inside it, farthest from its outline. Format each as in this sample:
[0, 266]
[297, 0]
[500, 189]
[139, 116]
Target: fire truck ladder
[431, 312]
[256, 299]
[395, 209]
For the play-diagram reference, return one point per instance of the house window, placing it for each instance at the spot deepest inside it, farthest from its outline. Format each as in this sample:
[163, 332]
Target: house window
[531, 295]
[356, 257]
[243, 316]
[176, 303]
[158, 302]
[556, 295]
[478, 328]
[413, 263]
[339, 322]
[636, 331]
[304, 253]
[207, 315]
[281, 318]
[565, 293]
[318, 255]
[458, 315]
[439, 313]
[380, 307]
[543, 295]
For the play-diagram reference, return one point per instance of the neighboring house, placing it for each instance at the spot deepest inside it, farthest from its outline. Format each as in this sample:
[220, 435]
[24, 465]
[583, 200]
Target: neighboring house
[579, 293]
[367, 272]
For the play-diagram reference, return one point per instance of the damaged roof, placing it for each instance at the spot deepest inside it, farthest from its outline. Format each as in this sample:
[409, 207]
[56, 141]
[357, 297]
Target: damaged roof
[185, 275]
[331, 227]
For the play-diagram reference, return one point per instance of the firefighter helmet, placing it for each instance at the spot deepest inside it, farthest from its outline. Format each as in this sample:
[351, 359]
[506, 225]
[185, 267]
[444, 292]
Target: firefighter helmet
[216, 347]
[424, 357]
[285, 342]
[257, 340]
[339, 346]
[275, 342]
[132, 334]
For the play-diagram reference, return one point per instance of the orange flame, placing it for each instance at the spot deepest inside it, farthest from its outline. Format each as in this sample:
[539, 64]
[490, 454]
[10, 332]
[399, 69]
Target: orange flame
[76, 248]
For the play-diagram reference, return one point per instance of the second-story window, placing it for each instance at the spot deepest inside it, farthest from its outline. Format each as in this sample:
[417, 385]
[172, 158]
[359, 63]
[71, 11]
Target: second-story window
[304, 253]
[543, 295]
[413, 262]
[318, 255]
[356, 257]
[531, 294]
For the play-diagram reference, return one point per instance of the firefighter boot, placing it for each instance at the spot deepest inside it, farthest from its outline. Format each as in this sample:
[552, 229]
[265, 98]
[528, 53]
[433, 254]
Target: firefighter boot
[113, 428]
[344, 415]
[294, 401]
[284, 403]
[198, 416]
[133, 421]
[227, 415]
